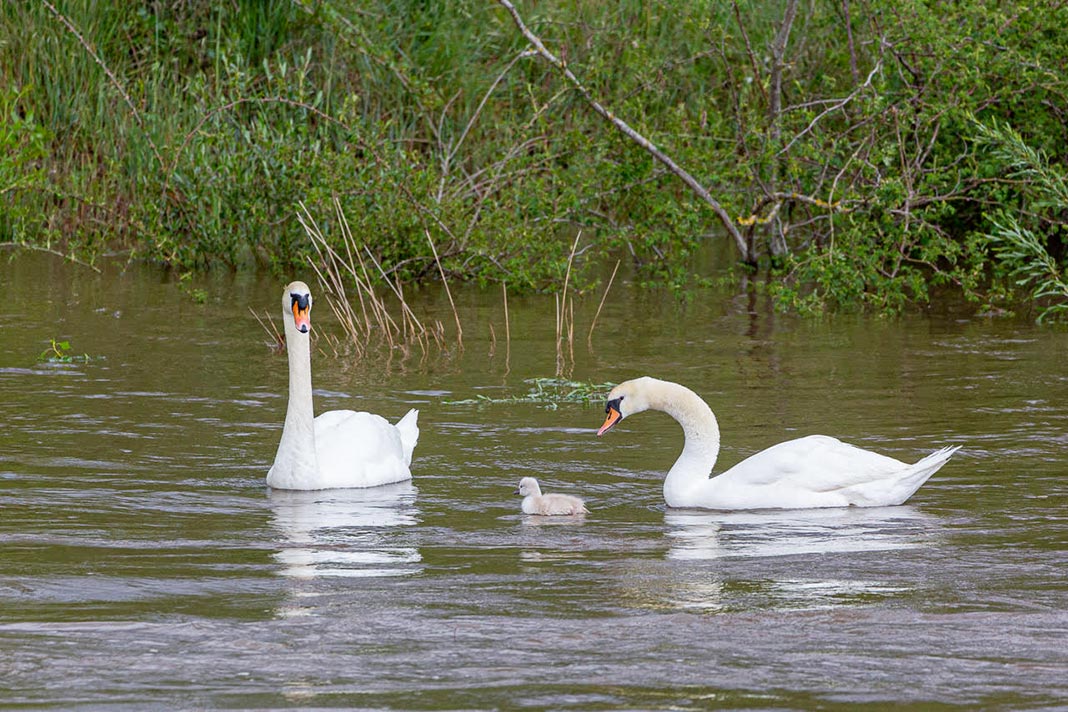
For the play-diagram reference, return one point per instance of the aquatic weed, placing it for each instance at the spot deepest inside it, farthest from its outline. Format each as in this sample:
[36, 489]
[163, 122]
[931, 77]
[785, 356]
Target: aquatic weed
[60, 352]
[546, 392]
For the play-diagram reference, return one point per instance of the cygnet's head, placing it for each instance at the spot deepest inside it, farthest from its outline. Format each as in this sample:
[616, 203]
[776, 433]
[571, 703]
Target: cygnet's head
[628, 398]
[296, 306]
[528, 486]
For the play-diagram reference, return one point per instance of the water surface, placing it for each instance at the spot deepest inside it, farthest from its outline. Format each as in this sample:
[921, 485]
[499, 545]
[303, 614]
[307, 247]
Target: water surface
[144, 562]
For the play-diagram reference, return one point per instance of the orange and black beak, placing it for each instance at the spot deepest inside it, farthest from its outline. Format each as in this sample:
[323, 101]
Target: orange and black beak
[302, 312]
[613, 417]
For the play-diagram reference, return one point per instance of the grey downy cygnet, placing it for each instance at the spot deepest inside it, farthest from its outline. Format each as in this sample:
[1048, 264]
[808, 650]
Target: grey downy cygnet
[534, 502]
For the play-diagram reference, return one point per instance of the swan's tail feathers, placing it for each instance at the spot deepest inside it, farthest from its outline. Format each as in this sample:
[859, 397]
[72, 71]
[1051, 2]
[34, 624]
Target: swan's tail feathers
[409, 432]
[920, 472]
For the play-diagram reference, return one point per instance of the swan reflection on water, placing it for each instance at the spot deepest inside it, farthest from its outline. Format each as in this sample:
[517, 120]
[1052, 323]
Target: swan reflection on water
[702, 535]
[346, 532]
[701, 543]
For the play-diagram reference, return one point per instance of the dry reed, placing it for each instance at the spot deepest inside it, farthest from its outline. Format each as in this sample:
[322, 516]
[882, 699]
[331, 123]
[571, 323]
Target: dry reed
[366, 318]
[593, 324]
[448, 292]
[277, 342]
[352, 280]
[565, 318]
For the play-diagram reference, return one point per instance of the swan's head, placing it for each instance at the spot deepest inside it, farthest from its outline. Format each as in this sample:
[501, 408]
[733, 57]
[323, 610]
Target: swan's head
[628, 398]
[296, 306]
[528, 486]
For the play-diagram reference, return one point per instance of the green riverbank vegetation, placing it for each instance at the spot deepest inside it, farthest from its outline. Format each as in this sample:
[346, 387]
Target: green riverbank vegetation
[865, 154]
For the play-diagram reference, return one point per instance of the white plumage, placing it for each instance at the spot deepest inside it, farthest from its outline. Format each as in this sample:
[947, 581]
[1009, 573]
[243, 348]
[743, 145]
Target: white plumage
[534, 502]
[814, 471]
[340, 448]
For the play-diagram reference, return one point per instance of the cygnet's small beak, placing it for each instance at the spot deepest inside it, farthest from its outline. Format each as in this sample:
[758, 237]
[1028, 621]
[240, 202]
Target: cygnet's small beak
[613, 418]
[517, 491]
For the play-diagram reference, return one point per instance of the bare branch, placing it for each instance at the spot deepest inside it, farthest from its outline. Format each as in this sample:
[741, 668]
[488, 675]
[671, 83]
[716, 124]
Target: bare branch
[778, 54]
[749, 52]
[689, 180]
[838, 105]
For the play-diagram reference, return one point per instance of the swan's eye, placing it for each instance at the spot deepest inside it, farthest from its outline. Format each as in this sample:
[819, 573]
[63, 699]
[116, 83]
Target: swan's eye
[613, 404]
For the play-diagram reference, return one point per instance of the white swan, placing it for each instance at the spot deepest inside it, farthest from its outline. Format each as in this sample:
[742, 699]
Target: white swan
[340, 448]
[814, 471]
[534, 502]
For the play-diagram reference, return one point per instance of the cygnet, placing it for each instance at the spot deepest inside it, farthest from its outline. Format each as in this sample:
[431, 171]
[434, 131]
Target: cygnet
[534, 502]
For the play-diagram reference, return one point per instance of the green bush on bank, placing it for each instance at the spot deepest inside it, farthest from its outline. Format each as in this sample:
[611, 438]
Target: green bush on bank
[187, 132]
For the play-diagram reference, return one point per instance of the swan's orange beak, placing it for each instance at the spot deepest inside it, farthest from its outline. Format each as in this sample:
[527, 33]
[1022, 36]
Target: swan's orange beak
[612, 419]
[302, 316]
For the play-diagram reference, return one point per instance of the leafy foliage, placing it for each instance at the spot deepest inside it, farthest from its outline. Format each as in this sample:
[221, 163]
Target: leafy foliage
[23, 143]
[1020, 239]
[841, 142]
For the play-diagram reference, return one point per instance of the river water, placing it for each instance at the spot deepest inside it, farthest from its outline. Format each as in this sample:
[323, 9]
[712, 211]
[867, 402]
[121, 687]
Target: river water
[143, 562]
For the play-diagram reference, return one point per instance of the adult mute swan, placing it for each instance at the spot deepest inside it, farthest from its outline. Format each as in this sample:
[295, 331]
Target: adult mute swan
[534, 502]
[814, 471]
[340, 448]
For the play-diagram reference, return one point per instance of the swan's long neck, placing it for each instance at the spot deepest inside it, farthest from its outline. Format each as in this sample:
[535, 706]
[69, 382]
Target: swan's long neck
[296, 459]
[701, 431]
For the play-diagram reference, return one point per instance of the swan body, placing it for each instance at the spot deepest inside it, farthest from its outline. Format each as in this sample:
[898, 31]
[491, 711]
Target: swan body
[340, 448]
[534, 502]
[809, 472]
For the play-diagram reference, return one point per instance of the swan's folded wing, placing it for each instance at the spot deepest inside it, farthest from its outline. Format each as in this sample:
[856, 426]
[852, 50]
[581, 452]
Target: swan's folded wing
[357, 449]
[816, 463]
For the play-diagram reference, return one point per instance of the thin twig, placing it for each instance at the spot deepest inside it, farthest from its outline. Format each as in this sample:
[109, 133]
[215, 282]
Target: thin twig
[405, 309]
[593, 324]
[571, 259]
[49, 250]
[838, 105]
[757, 78]
[507, 328]
[349, 243]
[470, 123]
[278, 342]
[448, 293]
[565, 321]
[571, 329]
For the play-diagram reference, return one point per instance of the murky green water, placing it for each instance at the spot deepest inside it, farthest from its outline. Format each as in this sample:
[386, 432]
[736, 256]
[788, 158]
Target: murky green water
[144, 563]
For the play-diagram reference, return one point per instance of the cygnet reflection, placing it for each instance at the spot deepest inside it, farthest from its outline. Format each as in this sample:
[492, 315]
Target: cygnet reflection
[347, 532]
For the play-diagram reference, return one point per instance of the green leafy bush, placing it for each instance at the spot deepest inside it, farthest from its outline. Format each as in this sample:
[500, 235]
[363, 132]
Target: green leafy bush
[840, 144]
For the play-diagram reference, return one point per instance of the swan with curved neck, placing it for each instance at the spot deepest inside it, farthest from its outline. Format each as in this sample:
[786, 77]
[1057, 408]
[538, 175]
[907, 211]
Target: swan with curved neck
[809, 472]
[340, 448]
